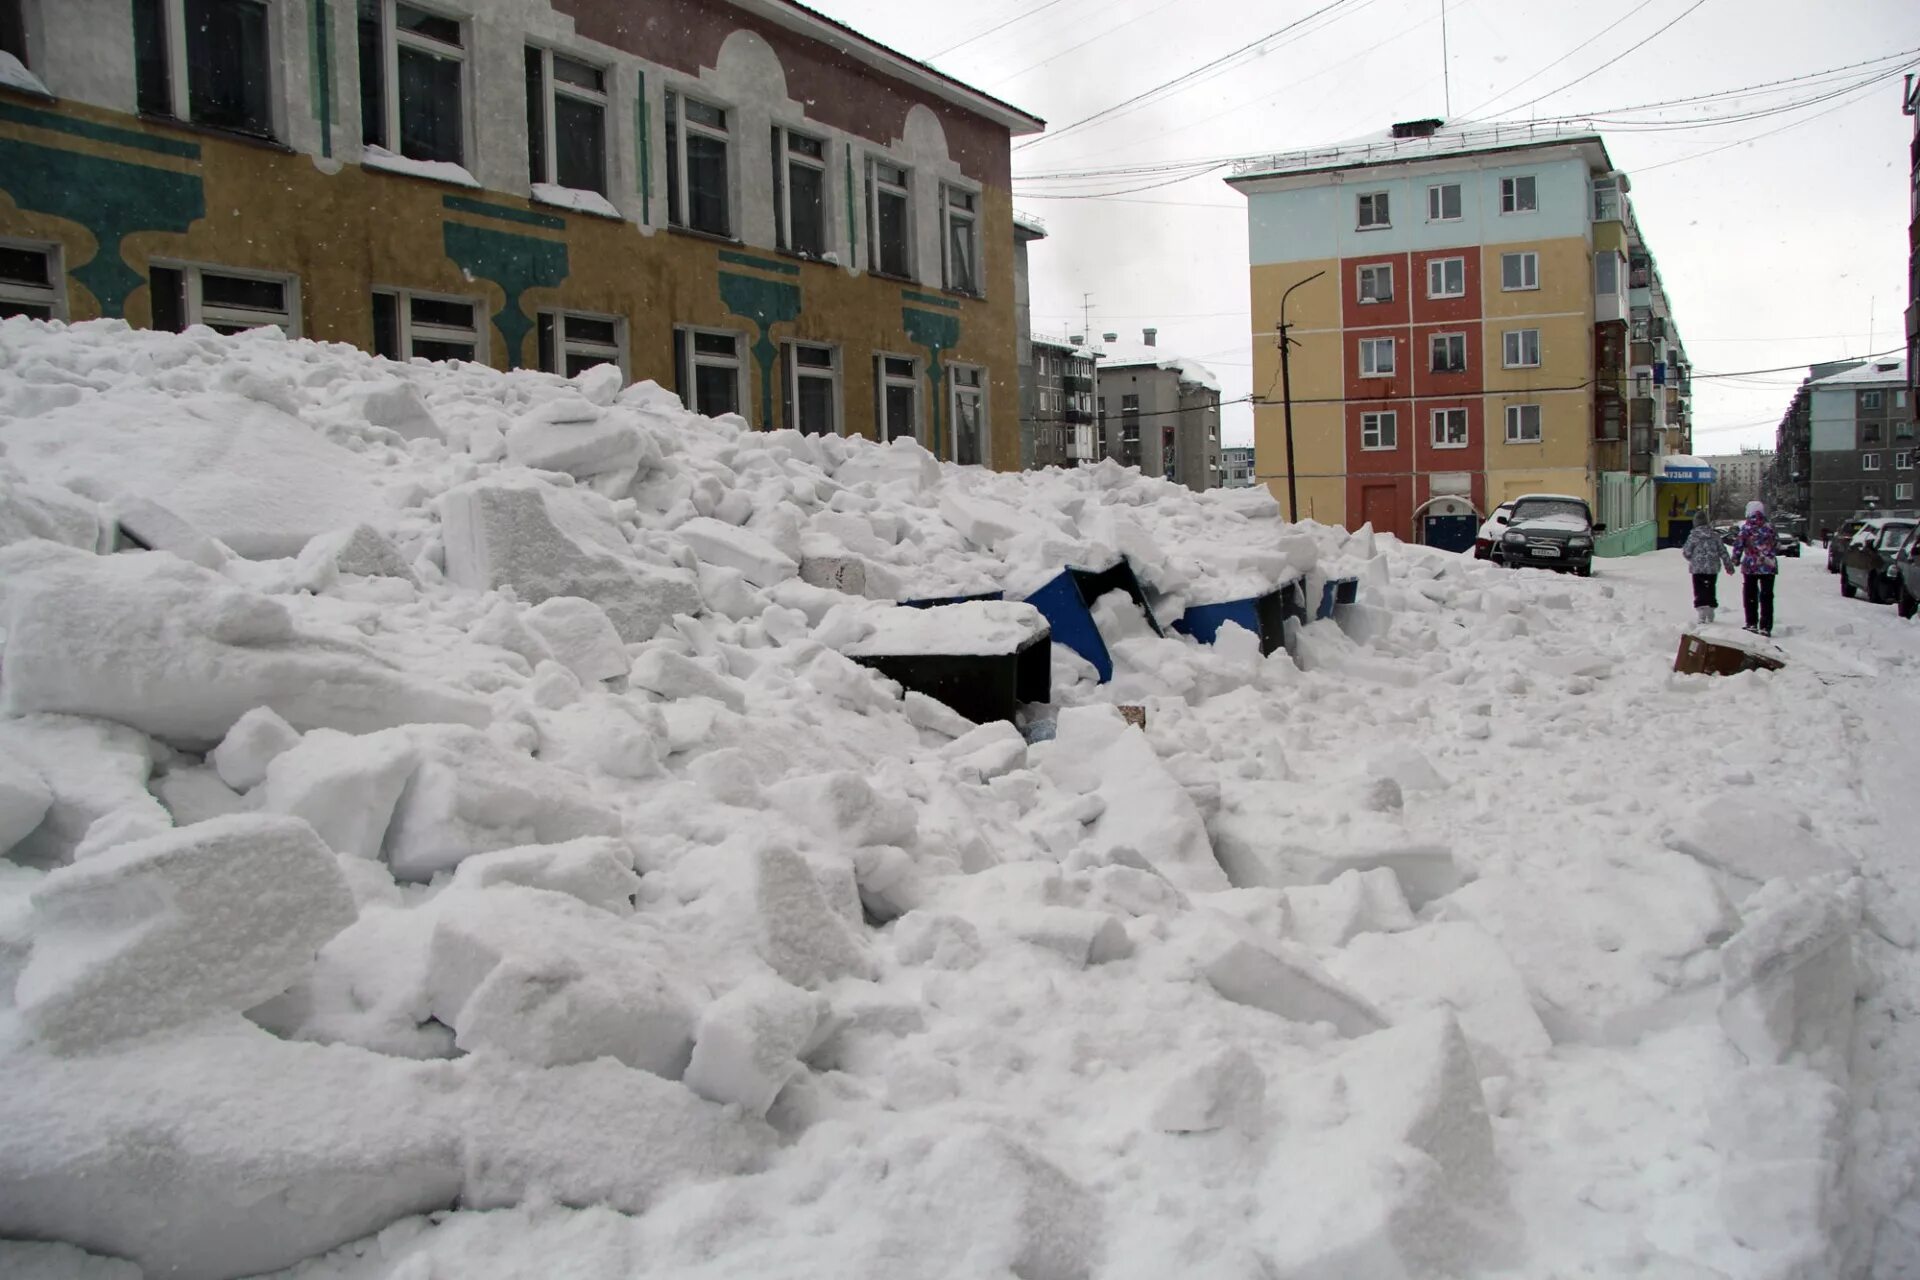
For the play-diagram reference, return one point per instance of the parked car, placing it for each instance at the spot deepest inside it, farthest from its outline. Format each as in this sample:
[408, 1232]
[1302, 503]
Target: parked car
[1907, 585]
[1869, 567]
[1550, 531]
[1486, 543]
[1837, 542]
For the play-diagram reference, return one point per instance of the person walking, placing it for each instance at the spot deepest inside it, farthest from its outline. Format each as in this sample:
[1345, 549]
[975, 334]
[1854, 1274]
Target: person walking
[1755, 548]
[1706, 557]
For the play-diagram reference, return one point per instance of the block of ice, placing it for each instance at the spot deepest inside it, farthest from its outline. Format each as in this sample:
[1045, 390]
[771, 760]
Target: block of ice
[254, 742]
[844, 808]
[581, 637]
[749, 1042]
[730, 547]
[92, 769]
[609, 441]
[345, 786]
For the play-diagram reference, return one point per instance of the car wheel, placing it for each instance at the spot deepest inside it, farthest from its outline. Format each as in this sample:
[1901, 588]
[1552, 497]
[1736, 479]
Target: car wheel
[1846, 585]
[1906, 604]
[1585, 571]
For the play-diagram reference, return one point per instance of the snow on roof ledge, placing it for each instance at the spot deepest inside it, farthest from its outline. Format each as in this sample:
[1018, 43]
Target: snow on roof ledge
[1872, 371]
[1120, 355]
[1383, 148]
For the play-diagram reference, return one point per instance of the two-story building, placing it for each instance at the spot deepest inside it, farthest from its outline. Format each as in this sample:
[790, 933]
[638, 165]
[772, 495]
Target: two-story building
[740, 199]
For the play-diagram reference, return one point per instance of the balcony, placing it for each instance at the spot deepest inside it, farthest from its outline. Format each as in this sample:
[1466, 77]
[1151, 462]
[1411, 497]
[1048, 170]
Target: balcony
[1075, 417]
[1606, 203]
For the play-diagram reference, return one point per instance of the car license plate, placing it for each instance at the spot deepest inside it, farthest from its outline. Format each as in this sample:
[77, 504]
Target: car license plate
[1546, 552]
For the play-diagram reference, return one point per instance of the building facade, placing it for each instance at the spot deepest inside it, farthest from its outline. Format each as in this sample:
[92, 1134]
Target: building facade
[1738, 478]
[1026, 230]
[1158, 411]
[1861, 446]
[1473, 316]
[1061, 420]
[1911, 105]
[1237, 467]
[740, 199]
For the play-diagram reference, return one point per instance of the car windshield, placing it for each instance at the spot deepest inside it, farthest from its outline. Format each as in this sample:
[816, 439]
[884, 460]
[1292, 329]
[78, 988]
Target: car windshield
[1541, 508]
[1894, 536]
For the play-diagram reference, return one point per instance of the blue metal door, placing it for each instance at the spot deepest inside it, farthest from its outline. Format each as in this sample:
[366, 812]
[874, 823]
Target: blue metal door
[1451, 533]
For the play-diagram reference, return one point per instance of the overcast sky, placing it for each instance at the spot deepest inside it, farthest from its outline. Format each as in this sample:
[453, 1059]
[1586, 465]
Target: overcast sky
[1776, 250]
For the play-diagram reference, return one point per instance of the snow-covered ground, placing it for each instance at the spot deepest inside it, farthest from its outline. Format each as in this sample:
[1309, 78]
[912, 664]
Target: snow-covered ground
[373, 906]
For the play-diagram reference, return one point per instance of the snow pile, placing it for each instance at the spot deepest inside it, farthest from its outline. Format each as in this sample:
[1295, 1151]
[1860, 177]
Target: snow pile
[492, 854]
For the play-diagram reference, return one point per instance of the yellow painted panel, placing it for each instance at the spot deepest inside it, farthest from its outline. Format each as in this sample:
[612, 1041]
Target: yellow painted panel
[1504, 486]
[1566, 353]
[1313, 312]
[1566, 428]
[1566, 279]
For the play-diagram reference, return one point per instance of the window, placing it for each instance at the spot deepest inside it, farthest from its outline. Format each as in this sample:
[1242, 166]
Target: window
[1443, 202]
[1522, 348]
[1449, 428]
[30, 282]
[1606, 272]
[799, 192]
[1903, 461]
[810, 388]
[889, 227]
[709, 369]
[13, 30]
[1869, 399]
[226, 301]
[1869, 433]
[1379, 430]
[571, 342]
[1373, 210]
[1903, 492]
[898, 413]
[1519, 271]
[968, 414]
[1376, 282]
[205, 61]
[1446, 277]
[1903, 431]
[413, 66]
[1869, 493]
[406, 325]
[1869, 462]
[699, 187]
[959, 257]
[1517, 195]
[566, 122]
[1376, 357]
[1449, 352]
[1523, 424]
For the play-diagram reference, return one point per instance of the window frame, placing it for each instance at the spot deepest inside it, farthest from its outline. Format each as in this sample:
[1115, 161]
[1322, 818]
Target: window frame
[28, 295]
[882, 380]
[1438, 434]
[876, 187]
[784, 159]
[1871, 400]
[674, 116]
[1369, 355]
[1513, 342]
[1527, 258]
[1373, 210]
[692, 359]
[1870, 461]
[406, 330]
[978, 287]
[1903, 492]
[563, 346]
[1442, 264]
[1436, 198]
[391, 40]
[553, 88]
[1433, 343]
[1510, 194]
[1384, 427]
[193, 302]
[792, 372]
[1516, 416]
[979, 388]
[179, 62]
[1903, 459]
[1372, 270]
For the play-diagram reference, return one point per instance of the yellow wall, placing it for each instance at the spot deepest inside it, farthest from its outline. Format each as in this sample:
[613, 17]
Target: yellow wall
[1317, 377]
[1566, 280]
[1558, 464]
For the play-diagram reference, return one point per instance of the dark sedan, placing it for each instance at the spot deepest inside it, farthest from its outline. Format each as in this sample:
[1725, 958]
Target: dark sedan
[1550, 531]
[1869, 566]
[1907, 592]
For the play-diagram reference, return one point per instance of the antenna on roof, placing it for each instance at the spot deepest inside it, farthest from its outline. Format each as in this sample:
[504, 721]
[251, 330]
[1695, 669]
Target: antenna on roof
[1446, 70]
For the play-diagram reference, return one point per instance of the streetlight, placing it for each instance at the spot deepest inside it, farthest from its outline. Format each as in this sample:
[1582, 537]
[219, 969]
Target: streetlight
[1286, 397]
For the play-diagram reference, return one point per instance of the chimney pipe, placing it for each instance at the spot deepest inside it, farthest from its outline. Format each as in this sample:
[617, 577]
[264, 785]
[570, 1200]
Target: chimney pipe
[1078, 339]
[1110, 337]
[1149, 335]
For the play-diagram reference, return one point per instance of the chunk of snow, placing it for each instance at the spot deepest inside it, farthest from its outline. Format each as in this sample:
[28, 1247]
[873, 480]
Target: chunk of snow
[163, 931]
[1024, 1216]
[674, 676]
[506, 627]
[29, 510]
[936, 940]
[544, 543]
[844, 807]
[1283, 981]
[719, 543]
[14, 75]
[1352, 903]
[973, 628]
[599, 384]
[1755, 838]
[194, 795]
[581, 636]
[254, 742]
[597, 870]
[1081, 937]
[1787, 978]
[795, 929]
[749, 1041]
[25, 1260]
[376, 157]
[346, 787]
[1226, 1089]
[175, 651]
[361, 550]
[153, 526]
[580, 201]
[608, 441]
[24, 800]
[95, 770]
[902, 462]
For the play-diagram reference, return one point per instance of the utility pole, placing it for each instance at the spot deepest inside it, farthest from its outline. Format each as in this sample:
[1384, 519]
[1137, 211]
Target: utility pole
[1446, 68]
[1086, 315]
[1286, 397]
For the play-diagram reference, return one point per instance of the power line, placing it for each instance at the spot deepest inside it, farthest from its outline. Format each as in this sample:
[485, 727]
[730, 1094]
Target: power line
[1684, 14]
[1583, 45]
[997, 27]
[1092, 39]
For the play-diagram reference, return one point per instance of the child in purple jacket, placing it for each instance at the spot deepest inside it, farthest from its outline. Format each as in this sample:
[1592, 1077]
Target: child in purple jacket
[1755, 548]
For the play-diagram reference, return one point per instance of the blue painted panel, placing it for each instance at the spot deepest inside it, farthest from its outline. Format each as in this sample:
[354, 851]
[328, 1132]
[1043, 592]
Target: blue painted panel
[1066, 612]
[1452, 533]
[934, 602]
[1203, 621]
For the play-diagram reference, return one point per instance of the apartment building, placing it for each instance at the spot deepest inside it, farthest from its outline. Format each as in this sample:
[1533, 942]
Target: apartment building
[741, 199]
[1738, 478]
[1236, 467]
[1910, 103]
[1847, 443]
[1061, 421]
[1158, 411]
[1474, 315]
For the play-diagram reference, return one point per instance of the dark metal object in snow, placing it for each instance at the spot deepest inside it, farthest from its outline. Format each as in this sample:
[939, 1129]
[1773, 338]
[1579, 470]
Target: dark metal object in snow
[1700, 656]
[981, 687]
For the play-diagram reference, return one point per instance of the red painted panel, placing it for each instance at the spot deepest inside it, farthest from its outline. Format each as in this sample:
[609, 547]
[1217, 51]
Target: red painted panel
[1434, 310]
[1384, 501]
[1366, 390]
[1428, 383]
[1427, 458]
[1370, 314]
[1395, 461]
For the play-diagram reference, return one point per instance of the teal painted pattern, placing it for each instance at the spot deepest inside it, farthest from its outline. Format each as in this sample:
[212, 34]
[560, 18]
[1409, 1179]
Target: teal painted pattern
[643, 152]
[766, 303]
[110, 198]
[762, 264]
[938, 334]
[516, 263]
[505, 212]
[322, 76]
[14, 114]
[928, 299]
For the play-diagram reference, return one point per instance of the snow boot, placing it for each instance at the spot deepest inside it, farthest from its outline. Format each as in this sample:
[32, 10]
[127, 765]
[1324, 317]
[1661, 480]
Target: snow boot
[1702, 614]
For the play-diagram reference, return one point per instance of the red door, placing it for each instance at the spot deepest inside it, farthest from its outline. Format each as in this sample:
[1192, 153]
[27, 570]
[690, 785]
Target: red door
[1380, 507]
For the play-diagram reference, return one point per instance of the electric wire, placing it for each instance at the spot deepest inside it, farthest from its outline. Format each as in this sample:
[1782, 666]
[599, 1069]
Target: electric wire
[1018, 17]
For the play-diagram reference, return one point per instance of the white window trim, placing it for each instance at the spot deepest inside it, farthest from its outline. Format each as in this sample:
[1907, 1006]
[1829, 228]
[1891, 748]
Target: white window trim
[562, 344]
[874, 188]
[1525, 256]
[1441, 264]
[1869, 462]
[677, 217]
[1389, 418]
[1903, 492]
[1360, 274]
[196, 309]
[954, 390]
[1510, 339]
[829, 375]
[54, 295]
[784, 158]
[696, 359]
[882, 380]
[552, 87]
[1513, 183]
[972, 218]
[1434, 199]
[1369, 346]
[1381, 225]
[407, 330]
[179, 95]
[391, 38]
[1438, 437]
[1903, 460]
[1871, 400]
[1516, 415]
[1435, 338]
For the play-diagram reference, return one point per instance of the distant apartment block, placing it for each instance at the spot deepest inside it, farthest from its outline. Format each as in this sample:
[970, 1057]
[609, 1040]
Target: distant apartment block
[1739, 478]
[1911, 104]
[1158, 411]
[1062, 420]
[1847, 443]
[1236, 467]
[1475, 316]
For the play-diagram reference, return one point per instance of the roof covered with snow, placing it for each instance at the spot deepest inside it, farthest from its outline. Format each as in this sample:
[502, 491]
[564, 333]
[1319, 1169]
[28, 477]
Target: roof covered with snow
[1128, 355]
[1870, 374]
[1382, 148]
